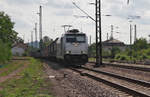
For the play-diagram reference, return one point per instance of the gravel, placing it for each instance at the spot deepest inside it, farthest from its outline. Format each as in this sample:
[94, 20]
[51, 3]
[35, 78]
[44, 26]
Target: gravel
[67, 83]
[141, 75]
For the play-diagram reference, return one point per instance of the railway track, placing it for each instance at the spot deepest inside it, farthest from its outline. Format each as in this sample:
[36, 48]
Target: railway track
[134, 87]
[128, 66]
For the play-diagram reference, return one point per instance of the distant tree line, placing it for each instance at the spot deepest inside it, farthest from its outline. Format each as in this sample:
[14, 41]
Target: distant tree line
[139, 51]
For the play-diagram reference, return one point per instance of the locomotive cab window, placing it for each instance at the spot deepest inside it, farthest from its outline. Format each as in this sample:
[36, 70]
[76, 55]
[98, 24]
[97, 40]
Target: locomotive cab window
[79, 38]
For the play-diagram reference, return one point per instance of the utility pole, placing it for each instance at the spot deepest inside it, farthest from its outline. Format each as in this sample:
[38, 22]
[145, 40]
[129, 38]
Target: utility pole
[112, 31]
[130, 41]
[98, 34]
[36, 35]
[135, 33]
[107, 36]
[40, 26]
[31, 38]
[98, 30]
[128, 1]
[130, 34]
[24, 38]
[90, 40]
[90, 49]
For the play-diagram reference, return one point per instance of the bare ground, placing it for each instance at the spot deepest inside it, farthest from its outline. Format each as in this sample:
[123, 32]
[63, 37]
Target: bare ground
[66, 83]
[141, 75]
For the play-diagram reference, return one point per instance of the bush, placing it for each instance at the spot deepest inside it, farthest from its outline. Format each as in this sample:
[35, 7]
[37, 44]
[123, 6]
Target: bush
[25, 54]
[5, 52]
[117, 56]
[140, 51]
[106, 54]
[144, 56]
[122, 57]
[114, 51]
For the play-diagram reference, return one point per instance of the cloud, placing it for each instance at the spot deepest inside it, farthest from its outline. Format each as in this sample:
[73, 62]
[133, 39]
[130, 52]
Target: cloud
[20, 2]
[44, 1]
[64, 13]
[59, 4]
[59, 12]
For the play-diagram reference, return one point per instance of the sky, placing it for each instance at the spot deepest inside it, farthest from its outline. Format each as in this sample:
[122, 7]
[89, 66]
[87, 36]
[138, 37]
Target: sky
[59, 12]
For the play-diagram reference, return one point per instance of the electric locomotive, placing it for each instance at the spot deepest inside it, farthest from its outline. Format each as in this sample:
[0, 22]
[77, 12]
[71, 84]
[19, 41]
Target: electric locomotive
[71, 47]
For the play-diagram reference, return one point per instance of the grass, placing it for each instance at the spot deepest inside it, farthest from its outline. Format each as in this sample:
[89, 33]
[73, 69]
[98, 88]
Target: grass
[30, 84]
[8, 68]
[92, 59]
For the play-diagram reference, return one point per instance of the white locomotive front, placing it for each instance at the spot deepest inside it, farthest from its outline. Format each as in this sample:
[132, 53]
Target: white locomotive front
[72, 47]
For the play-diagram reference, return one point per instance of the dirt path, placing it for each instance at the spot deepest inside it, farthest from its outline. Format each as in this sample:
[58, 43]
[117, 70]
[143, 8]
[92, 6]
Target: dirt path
[12, 75]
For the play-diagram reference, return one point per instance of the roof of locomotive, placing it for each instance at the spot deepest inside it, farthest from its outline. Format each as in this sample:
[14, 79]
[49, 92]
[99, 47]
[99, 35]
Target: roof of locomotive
[73, 31]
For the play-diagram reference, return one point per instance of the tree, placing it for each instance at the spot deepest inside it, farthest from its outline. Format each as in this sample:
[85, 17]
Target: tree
[19, 40]
[92, 50]
[7, 37]
[7, 34]
[140, 44]
[5, 52]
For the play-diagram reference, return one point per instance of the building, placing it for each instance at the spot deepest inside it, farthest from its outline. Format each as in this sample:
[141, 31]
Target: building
[19, 49]
[109, 44]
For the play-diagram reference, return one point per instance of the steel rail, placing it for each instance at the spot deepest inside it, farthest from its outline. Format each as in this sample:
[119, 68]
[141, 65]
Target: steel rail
[121, 87]
[140, 68]
[140, 82]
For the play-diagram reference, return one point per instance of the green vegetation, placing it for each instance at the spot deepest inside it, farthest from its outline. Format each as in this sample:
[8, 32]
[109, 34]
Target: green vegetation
[7, 69]
[139, 51]
[5, 52]
[92, 50]
[7, 37]
[7, 34]
[30, 83]
[105, 54]
[114, 51]
[92, 59]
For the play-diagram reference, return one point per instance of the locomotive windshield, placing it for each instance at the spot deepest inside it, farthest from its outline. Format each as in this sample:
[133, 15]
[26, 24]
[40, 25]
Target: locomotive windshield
[79, 38]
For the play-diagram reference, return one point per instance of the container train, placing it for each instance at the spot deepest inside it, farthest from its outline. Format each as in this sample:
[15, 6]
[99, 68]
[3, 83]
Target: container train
[71, 47]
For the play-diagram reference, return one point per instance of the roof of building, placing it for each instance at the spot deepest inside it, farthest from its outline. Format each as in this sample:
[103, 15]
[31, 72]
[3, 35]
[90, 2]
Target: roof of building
[113, 42]
[21, 45]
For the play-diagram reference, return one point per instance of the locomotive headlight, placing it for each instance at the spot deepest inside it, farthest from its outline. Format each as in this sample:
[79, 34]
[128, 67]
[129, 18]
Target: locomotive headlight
[75, 44]
[68, 52]
[83, 52]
